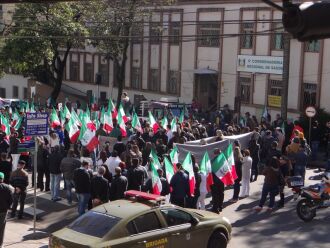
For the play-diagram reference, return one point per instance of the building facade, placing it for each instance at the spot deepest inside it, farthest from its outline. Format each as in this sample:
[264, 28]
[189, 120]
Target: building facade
[218, 52]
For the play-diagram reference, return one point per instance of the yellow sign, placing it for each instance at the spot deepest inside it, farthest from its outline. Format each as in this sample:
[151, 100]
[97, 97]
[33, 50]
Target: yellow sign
[274, 101]
[160, 243]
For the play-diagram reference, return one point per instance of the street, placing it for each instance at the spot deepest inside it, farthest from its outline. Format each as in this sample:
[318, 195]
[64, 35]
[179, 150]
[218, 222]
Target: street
[281, 228]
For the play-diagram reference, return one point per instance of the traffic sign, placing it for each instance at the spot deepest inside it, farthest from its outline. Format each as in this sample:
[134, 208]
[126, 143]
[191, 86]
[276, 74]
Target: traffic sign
[310, 111]
[36, 124]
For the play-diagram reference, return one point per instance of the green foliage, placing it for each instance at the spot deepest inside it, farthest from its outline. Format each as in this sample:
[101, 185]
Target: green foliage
[40, 38]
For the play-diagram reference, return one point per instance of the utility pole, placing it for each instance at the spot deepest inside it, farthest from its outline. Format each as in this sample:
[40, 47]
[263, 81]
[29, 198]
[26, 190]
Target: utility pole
[286, 70]
[285, 76]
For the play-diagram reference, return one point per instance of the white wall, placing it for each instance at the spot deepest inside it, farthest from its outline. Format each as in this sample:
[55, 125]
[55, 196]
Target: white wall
[9, 80]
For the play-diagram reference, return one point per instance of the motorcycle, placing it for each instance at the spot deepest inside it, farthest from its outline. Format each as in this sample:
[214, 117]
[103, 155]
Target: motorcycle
[312, 198]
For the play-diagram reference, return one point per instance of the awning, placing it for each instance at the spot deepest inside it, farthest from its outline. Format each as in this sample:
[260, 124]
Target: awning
[204, 71]
[73, 91]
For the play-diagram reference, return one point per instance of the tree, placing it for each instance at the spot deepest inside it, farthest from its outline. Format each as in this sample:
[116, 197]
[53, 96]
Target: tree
[40, 40]
[111, 23]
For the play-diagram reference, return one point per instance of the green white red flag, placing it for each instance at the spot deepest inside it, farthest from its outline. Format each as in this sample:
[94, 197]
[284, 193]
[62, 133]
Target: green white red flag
[169, 169]
[154, 158]
[206, 169]
[174, 155]
[54, 120]
[222, 170]
[112, 108]
[181, 118]
[229, 154]
[164, 122]
[67, 113]
[5, 125]
[188, 167]
[173, 125]
[87, 138]
[122, 112]
[156, 183]
[153, 123]
[106, 120]
[73, 130]
[75, 117]
[121, 124]
[136, 123]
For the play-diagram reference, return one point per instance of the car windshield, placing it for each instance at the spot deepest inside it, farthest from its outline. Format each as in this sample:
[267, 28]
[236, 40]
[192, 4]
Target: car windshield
[94, 224]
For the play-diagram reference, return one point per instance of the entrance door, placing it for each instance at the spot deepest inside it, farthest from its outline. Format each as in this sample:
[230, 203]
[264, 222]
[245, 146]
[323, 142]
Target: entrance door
[206, 90]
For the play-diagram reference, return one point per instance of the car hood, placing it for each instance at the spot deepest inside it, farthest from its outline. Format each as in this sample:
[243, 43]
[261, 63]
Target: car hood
[69, 238]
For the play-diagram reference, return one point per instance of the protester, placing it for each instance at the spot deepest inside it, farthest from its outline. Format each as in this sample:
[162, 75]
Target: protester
[136, 176]
[217, 188]
[43, 167]
[180, 187]
[82, 180]
[68, 166]
[99, 188]
[19, 180]
[5, 167]
[246, 173]
[238, 167]
[118, 186]
[6, 199]
[54, 162]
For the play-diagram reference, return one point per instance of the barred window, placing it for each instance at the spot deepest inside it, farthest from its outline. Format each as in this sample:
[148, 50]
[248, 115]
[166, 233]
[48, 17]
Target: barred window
[15, 91]
[175, 33]
[245, 89]
[154, 81]
[312, 46]
[208, 34]
[309, 95]
[3, 92]
[74, 71]
[155, 33]
[104, 71]
[136, 78]
[277, 37]
[275, 87]
[173, 82]
[137, 33]
[88, 72]
[247, 35]
[25, 93]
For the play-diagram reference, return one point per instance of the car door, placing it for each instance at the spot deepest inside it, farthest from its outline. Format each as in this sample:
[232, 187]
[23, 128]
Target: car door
[146, 231]
[180, 228]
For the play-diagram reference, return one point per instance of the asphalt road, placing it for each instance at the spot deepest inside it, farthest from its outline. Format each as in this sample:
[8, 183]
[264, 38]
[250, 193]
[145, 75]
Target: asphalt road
[280, 228]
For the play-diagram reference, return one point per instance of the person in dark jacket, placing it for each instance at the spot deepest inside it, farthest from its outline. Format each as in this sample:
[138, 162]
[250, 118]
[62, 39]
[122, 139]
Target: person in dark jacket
[119, 146]
[315, 139]
[273, 152]
[67, 167]
[3, 143]
[136, 175]
[6, 199]
[42, 168]
[82, 178]
[180, 187]
[254, 148]
[13, 143]
[217, 189]
[19, 180]
[273, 179]
[54, 163]
[99, 188]
[118, 186]
[238, 157]
[5, 167]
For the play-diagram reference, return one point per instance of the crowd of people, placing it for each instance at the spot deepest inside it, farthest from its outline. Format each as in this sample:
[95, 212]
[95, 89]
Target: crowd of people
[275, 150]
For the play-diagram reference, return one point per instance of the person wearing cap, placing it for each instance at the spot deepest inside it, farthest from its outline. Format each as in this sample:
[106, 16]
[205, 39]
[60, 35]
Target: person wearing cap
[19, 180]
[6, 199]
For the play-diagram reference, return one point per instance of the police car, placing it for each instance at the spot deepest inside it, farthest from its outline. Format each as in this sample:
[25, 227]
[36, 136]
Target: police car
[141, 221]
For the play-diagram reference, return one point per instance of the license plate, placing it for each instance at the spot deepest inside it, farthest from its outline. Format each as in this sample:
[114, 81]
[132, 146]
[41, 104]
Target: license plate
[297, 183]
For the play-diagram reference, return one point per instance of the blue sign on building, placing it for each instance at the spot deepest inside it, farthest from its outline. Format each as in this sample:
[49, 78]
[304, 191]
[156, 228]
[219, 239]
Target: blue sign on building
[36, 124]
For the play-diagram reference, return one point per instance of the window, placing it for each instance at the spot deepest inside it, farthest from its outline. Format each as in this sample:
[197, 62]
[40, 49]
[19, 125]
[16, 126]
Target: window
[15, 91]
[155, 33]
[88, 72]
[103, 96]
[25, 93]
[74, 71]
[173, 82]
[275, 88]
[312, 46]
[175, 33]
[245, 89]
[137, 33]
[277, 37]
[136, 78]
[247, 37]
[89, 94]
[104, 71]
[94, 224]
[144, 223]
[154, 82]
[3, 92]
[175, 217]
[208, 34]
[309, 95]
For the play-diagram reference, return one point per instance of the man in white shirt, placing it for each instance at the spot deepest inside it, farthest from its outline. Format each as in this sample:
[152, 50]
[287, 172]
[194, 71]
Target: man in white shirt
[113, 162]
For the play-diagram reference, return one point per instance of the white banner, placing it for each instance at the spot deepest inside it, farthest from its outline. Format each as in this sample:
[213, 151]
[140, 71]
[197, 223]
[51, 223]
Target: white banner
[260, 64]
[15, 158]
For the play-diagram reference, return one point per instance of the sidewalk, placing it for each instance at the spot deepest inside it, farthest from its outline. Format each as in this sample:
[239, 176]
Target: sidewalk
[19, 234]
